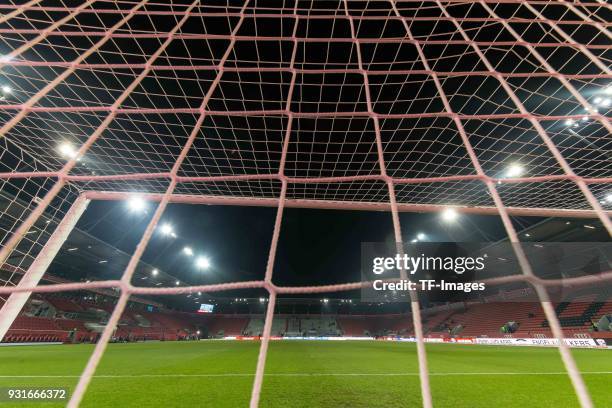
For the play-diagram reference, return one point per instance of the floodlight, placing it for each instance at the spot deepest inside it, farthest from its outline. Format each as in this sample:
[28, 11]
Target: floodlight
[166, 229]
[66, 149]
[514, 170]
[202, 262]
[188, 251]
[136, 204]
[450, 215]
[154, 272]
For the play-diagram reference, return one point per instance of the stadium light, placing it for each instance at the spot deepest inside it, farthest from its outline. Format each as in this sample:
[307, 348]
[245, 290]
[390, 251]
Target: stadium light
[202, 262]
[450, 215]
[178, 283]
[66, 149]
[137, 204]
[414, 241]
[166, 229]
[154, 272]
[609, 197]
[6, 89]
[514, 170]
[608, 90]
[606, 102]
[421, 236]
[188, 251]
[597, 100]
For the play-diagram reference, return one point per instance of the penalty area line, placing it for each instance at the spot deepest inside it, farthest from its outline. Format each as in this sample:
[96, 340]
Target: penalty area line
[301, 374]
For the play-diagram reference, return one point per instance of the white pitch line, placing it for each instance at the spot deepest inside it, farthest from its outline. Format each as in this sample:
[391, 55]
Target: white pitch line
[300, 375]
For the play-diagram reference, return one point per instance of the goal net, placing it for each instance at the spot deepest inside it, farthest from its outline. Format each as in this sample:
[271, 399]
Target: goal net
[491, 107]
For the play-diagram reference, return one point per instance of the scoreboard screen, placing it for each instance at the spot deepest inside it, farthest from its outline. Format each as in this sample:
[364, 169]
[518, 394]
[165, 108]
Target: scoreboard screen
[206, 308]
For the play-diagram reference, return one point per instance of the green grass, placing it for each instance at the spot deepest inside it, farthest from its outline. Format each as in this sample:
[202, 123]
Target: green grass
[308, 374]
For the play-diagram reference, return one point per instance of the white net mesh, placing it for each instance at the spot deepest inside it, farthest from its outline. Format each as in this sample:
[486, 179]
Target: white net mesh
[394, 105]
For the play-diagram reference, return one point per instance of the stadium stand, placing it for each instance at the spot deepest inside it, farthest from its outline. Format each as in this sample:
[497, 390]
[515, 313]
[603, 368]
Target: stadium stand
[254, 327]
[364, 325]
[231, 326]
[74, 317]
[320, 326]
[64, 304]
[34, 329]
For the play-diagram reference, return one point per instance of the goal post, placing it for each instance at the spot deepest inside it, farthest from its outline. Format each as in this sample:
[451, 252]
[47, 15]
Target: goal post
[31, 278]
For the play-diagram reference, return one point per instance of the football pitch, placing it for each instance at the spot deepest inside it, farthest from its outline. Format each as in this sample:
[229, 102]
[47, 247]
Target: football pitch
[308, 374]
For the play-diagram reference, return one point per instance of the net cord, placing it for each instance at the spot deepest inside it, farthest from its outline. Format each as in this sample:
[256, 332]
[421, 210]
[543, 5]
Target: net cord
[27, 285]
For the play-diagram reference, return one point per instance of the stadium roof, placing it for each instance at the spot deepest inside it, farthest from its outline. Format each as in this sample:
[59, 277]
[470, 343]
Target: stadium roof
[82, 257]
